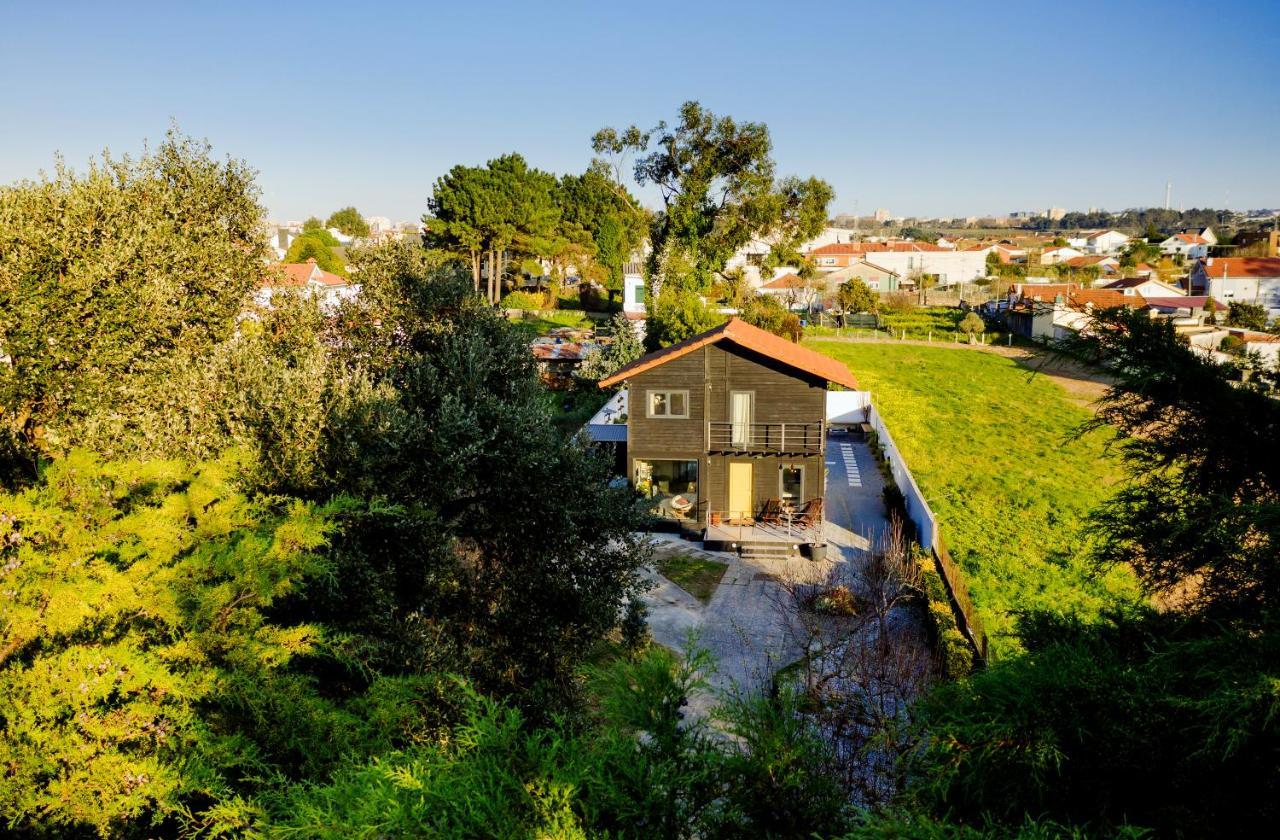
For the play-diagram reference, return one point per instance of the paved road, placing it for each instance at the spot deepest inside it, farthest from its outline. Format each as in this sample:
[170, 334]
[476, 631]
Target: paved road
[745, 624]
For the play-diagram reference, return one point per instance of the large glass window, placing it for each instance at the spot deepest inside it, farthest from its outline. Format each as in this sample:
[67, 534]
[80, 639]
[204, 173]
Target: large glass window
[791, 483]
[672, 484]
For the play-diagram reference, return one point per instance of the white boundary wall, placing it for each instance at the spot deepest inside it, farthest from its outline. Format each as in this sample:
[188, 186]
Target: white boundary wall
[917, 508]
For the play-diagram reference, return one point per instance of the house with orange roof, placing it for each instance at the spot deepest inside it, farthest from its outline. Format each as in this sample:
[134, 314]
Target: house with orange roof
[1145, 286]
[1058, 254]
[950, 266]
[1191, 246]
[1254, 280]
[308, 278]
[726, 434]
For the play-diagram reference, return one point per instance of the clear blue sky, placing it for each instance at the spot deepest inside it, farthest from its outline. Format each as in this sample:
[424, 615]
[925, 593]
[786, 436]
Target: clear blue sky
[923, 108]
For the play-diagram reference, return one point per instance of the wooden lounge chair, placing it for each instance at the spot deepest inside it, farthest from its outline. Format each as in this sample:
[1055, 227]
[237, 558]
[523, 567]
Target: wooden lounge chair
[772, 513]
[810, 515]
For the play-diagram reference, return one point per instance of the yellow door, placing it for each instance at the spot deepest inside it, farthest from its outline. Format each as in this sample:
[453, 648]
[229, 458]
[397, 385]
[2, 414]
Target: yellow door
[740, 490]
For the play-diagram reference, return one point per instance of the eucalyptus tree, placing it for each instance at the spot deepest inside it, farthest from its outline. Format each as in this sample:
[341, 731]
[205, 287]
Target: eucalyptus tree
[719, 189]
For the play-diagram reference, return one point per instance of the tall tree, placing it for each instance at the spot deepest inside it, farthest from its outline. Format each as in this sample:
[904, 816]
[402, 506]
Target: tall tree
[487, 212]
[349, 221]
[1199, 519]
[717, 182]
[609, 216]
[312, 246]
[104, 275]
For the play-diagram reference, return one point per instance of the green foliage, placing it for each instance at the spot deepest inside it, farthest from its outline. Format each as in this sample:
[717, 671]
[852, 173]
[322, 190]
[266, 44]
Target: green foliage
[624, 347]
[856, 296]
[313, 223]
[954, 650]
[972, 323]
[1144, 719]
[1199, 517]
[139, 612]
[1250, 316]
[1231, 344]
[607, 214]
[105, 276]
[314, 246]
[678, 314]
[505, 205]
[349, 221]
[920, 234]
[1017, 481]
[768, 313]
[524, 300]
[717, 181]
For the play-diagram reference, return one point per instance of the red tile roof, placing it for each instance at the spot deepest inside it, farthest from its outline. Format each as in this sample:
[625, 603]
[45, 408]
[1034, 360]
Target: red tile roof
[1044, 291]
[1192, 238]
[1243, 267]
[786, 281]
[1102, 298]
[853, 249]
[739, 332]
[300, 274]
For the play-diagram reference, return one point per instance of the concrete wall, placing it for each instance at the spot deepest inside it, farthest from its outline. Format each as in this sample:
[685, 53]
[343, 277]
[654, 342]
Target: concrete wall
[917, 508]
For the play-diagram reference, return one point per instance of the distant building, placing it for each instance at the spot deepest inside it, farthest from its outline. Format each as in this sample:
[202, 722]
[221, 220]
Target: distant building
[330, 289]
[882, 215]
[1253, 280]
[1191, 246]
[906, 259]
[1053, 256]
[1055, 214]
[1146, 287]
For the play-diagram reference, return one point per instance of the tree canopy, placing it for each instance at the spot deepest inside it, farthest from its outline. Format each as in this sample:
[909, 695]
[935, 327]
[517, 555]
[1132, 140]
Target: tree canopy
[105, 274]
[315, 245]
[349, 221]
[719, 190]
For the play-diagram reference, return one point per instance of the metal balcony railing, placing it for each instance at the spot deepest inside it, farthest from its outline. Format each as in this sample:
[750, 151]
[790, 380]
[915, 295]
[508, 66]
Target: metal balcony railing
[765, 437]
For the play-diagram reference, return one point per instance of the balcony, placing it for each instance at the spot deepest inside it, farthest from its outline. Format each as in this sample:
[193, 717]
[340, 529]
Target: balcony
[778, 438]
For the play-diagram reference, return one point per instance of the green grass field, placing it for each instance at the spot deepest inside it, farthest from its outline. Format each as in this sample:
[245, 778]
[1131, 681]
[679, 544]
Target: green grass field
[997, 455]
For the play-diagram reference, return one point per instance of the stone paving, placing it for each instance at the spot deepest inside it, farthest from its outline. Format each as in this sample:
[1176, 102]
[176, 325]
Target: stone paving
[745, 624]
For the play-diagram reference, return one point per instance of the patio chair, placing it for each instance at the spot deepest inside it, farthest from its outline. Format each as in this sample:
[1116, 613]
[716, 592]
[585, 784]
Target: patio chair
[772, 513]
[810, 515]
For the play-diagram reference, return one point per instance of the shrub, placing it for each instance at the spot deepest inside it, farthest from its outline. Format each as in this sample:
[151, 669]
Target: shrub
[593, 298]
[897, 303]
[1232, 344]
[837, 600]
[972, 323]
[635, 625]
[524, 300]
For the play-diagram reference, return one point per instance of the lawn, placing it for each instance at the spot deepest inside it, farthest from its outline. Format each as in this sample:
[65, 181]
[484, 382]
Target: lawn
[541, 323]
[997, 454]
[938, 323]
[696, 576]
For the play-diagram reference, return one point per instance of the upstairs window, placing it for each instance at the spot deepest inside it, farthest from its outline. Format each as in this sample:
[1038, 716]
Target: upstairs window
[669, 404]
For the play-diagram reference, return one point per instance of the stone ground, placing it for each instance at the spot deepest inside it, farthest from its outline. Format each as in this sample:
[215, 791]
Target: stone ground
[745, 624]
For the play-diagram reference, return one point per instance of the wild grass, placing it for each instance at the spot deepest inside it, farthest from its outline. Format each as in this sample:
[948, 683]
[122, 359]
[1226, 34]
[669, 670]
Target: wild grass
[998, 456]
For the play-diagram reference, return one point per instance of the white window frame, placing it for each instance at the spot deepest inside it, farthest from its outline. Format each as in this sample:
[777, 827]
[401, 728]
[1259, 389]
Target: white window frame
[648, 404]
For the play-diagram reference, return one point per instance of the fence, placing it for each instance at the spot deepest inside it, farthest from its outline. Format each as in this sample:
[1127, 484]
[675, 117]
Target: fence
[930, 537]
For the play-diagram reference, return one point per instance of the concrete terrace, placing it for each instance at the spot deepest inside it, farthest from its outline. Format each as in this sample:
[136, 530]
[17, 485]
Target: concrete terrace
[745, 625]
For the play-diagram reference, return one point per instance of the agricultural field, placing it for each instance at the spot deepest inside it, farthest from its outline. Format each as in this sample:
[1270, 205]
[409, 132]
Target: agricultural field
[997, 453]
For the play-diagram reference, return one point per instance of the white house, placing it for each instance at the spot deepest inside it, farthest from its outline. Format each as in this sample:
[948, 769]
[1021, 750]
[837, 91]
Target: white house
[1192, 246]
[330, 289]
[1253, 280]
[1105, 242]
[1147, 287]
[1062, 253]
